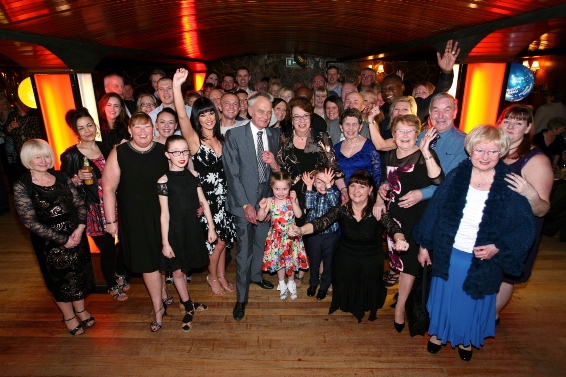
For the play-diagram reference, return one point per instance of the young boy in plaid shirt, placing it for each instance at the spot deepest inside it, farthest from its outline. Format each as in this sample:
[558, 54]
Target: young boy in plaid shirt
[321, 246]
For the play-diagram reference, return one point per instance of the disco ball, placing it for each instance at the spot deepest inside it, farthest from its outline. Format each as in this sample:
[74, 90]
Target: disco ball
[520, 83]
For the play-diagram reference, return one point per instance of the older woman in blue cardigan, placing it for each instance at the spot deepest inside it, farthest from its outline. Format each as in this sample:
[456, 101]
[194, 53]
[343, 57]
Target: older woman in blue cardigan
[474, 229]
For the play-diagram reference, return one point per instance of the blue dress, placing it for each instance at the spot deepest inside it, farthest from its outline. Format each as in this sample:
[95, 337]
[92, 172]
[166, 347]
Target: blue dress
[366, 159]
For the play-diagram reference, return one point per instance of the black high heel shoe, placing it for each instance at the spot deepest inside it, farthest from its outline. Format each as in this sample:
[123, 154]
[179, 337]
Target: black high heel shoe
[89, 322]
[76, 330]
[465, 354]
[156, 326]
[399, 326]
[432, 347]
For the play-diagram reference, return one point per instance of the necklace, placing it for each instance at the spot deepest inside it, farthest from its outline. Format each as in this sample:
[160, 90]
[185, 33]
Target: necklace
[352, 146]
[303, 138]
[83, 144]
[482, 183]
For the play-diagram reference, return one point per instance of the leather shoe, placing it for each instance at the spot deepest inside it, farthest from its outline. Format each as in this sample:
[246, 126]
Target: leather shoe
[433, 348]
[321, 295]
[399, 326]
[311, 291]
[465, 354]
[264, 284]
[239, 311]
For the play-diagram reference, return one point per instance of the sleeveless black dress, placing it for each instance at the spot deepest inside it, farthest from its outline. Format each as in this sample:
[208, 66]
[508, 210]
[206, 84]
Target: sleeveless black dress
[186, 235]
[139, 226]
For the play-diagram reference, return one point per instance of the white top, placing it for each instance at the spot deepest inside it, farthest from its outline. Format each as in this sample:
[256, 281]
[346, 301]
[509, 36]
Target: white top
[238, 123]
[469, 225]
[255, 130]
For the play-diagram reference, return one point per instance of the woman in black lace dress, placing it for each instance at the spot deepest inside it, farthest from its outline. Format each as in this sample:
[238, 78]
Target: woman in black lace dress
[50, 206]
[358, 261]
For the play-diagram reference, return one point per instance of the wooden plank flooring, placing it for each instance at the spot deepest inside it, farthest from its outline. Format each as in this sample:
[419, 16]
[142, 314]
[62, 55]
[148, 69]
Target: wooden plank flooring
[275, 338]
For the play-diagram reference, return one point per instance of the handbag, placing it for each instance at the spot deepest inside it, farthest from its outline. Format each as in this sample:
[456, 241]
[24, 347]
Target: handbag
[417, 314]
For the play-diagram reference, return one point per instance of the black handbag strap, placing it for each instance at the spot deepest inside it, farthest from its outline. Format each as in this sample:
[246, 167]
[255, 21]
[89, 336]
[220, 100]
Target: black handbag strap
[423, 290]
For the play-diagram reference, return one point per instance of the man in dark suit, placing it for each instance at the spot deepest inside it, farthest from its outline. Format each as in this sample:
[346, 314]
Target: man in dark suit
[248, 158]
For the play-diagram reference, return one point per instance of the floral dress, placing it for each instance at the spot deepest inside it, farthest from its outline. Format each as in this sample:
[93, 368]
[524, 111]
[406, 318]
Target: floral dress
[282, 251]
[213, 183]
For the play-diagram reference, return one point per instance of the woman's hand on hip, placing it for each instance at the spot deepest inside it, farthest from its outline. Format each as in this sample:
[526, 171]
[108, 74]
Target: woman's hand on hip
[485, 252]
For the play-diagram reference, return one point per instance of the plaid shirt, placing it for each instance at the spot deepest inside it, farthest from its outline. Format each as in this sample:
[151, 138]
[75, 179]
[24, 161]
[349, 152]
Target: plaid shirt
[318, 204]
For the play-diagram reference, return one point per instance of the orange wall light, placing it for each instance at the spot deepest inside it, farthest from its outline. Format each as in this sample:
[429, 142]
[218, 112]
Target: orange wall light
[198, 80]
[56, 98]
[482, 94]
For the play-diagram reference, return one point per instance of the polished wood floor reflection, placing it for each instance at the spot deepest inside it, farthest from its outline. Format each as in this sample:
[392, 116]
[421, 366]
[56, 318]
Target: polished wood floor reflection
[275, 338]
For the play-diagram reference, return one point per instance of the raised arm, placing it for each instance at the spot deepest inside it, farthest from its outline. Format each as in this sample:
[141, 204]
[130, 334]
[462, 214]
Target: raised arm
[187, 129]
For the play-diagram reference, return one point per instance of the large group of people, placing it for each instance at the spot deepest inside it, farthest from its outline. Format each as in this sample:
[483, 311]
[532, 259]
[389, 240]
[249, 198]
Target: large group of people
[290, 183]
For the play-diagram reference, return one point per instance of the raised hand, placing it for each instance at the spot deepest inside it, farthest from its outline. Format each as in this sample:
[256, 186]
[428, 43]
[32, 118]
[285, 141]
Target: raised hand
[180, 76]
[427, 139]
[328, 176]
[308, 179]
[447, 60]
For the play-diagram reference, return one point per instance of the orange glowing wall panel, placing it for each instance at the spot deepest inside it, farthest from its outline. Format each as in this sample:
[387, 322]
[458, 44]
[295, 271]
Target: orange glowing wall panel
[56, 98]
[198, 80]
[482, 94]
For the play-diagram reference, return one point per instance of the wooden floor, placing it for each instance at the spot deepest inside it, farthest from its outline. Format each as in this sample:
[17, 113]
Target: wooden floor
[274, 339]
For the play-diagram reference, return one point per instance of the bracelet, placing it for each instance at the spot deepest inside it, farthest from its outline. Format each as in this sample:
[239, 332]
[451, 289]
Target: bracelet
[400, 239]
[111, 222]
[429, 157]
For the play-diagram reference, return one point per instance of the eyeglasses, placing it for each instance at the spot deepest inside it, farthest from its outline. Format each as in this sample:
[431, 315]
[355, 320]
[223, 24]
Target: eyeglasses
[481, 152]
[146, 104]
[301, 117]
[178, 153]
[404, 132]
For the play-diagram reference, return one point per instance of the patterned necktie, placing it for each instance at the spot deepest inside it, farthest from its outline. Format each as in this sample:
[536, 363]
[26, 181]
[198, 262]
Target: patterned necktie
[261, 166]
[432, 144]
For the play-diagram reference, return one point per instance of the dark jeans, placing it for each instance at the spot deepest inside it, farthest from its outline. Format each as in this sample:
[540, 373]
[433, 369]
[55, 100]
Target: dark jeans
[320, 247]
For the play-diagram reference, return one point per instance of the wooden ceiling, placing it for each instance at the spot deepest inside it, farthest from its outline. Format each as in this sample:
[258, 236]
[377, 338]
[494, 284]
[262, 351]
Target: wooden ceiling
[80, 32]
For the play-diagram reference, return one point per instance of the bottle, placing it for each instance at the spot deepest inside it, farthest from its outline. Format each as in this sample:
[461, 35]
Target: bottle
[88, 168]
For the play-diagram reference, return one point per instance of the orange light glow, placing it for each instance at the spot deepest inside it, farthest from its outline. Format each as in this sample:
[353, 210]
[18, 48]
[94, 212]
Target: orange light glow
[482, 94]
[189, 25]
[55, 99]
[198, 79]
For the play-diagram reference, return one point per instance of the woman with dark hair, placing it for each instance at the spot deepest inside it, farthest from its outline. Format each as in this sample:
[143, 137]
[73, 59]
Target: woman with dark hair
[51, 207]
[72, 163]
[333, 107]
[532, 177]
[113, 119]
[550, 140]
[280, 109]
[166, 124]
[358, 260]
[202, 132]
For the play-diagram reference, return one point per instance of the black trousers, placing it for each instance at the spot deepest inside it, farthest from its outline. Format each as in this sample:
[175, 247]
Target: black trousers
[320, 247]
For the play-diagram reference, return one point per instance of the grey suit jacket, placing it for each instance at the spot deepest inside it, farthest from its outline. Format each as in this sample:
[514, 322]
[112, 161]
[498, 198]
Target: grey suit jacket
[240, 166]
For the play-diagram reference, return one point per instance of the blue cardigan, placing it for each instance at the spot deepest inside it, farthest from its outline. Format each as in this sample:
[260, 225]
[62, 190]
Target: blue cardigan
[507, 222]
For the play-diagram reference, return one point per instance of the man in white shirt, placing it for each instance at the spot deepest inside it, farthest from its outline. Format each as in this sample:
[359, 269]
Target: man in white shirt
[165, 93]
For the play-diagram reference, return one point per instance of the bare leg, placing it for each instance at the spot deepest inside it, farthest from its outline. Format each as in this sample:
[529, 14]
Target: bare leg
[434, 339]
[82, 314]
[212, 277]
[180, 281]
[165, 296]
[221, 266]
[153, 283]
[503, 298]
[69, 316]
[405, 284]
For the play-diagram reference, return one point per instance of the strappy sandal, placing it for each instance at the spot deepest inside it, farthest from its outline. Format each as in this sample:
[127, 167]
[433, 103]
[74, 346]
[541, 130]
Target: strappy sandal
[117, 293]
[197, 306]
[228, 286]
[156, 326]
[187, 322]
[391, 279]
[76, 330]
[219, 291]
[89, 322]
[122, 282]
[168, 300]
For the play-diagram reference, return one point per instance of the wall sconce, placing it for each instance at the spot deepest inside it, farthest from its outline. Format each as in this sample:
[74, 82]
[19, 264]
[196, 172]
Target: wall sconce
[380, 69]
[535, 67]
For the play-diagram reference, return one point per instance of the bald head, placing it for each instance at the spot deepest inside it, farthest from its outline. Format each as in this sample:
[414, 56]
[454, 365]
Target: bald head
[354, 100]
[303, 92]
[348, 88]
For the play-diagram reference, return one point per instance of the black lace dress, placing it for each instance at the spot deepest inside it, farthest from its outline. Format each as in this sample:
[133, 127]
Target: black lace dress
[52, 214]
[357, 268]
[186, 235]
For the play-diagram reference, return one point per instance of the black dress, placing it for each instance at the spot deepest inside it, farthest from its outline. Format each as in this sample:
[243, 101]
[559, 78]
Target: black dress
[138, 205]
[186, 235]
[357, 281]
[404, 175]
[52, 214]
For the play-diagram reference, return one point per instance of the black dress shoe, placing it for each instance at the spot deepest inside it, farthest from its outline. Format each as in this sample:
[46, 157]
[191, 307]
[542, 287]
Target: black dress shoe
[465, 354]
[433, 348]
[399, 326]
[264, 284]
[311, 291]
[497, 321]
[321, 295]
[239, 311]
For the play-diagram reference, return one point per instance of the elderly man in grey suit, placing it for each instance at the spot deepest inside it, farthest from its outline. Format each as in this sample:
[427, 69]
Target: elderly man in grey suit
[248, 158]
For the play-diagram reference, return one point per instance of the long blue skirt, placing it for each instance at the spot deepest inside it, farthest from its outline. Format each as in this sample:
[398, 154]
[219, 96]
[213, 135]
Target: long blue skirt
[455, 317]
